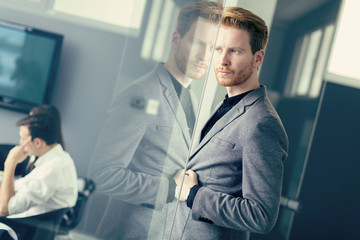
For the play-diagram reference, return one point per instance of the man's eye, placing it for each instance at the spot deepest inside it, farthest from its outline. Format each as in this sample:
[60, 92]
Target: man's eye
[217, 49]
[196, 42]
[235, 51]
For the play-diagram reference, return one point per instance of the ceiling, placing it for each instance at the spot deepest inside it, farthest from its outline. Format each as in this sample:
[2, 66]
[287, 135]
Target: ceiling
[289, 10]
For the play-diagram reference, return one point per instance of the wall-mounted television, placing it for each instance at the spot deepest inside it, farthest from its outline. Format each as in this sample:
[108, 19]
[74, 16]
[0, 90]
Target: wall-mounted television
[29, 60]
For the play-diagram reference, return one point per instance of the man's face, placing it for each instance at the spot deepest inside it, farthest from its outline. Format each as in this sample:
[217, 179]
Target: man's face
[24, 133]
[193, 50]
[234, 62]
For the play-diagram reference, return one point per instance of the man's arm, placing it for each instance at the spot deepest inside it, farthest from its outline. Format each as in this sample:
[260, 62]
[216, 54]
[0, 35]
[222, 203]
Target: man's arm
[7, 190]
[257, 208]
[112, 165]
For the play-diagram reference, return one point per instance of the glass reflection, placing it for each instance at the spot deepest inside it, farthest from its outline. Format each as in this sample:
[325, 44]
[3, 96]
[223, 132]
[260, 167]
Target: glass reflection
[147, 135]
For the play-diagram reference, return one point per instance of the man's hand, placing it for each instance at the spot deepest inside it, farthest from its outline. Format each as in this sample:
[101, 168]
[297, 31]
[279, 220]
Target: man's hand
[190, 180]
[7, 189]
[17, 154]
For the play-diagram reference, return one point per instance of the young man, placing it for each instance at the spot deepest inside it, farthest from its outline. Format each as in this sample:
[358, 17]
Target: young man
[147, 134]
[51, 185]
[234, 177]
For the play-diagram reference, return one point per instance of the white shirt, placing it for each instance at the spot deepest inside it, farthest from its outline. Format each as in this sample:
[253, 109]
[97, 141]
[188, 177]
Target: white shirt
[51, 185]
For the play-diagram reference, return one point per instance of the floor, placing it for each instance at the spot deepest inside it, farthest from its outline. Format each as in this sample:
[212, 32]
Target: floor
[75, 236]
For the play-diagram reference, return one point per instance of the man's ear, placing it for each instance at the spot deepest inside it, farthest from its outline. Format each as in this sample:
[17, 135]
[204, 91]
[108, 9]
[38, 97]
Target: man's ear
[175, 40]
[38, 142]
[259, 58]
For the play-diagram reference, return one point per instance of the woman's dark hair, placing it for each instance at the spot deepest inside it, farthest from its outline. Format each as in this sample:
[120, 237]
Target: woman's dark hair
[55, 114]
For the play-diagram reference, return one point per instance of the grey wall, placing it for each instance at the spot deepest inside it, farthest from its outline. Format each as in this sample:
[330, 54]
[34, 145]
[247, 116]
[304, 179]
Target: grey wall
[88, 71]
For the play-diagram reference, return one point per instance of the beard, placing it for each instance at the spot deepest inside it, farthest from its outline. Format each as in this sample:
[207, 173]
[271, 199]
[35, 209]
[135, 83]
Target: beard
[234, 78]
[190, 68]
[196, 70]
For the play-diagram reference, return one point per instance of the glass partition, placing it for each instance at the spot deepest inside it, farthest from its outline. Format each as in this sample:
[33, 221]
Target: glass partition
[165, 93]
[152, 118]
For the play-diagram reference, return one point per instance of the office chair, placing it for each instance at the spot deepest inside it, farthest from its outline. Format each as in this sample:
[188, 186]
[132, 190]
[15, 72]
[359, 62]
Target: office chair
[38, 227]
[73, 216]
[4, 150]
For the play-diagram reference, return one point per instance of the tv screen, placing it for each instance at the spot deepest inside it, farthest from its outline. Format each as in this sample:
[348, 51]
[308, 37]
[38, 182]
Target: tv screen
[29, 59]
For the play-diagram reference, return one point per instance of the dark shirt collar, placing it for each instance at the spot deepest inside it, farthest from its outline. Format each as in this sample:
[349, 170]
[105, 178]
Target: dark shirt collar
[185, 101]
[232, 101]
[226, 105]
[178, 86]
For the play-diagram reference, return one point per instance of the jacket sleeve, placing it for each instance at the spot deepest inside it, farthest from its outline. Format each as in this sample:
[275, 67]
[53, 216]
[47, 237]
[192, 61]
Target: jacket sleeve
[111, 163]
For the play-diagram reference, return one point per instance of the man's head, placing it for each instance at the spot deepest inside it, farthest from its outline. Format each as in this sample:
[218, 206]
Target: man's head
[193, 40]
[237, 17]
[240, 49]
[53, 112]
[191, 12]
[42, 129]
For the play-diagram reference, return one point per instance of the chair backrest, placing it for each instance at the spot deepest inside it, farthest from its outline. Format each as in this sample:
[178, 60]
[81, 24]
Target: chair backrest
[74, 215]
[4, 150]
[43, 226]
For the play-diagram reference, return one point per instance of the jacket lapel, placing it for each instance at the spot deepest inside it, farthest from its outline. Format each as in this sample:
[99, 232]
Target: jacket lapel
[173, 100]
[225, 120]
[237, 111]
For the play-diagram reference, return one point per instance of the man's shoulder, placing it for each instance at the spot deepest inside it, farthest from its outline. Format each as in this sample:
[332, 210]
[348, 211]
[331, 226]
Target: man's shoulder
[56, 155]
[158, 76]
[149, 86]
[152, 80]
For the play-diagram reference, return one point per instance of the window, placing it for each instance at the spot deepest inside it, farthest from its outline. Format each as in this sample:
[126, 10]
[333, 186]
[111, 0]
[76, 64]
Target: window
[159, 28]
[344, 61]
[116, 12]
[308, 63]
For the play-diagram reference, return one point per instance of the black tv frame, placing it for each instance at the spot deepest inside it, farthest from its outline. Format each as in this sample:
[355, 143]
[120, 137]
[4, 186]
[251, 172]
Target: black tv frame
[12, 103]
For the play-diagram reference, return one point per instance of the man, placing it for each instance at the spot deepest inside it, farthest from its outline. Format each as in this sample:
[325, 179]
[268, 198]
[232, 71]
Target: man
[147, 134]
[51, 185]
[234, 177]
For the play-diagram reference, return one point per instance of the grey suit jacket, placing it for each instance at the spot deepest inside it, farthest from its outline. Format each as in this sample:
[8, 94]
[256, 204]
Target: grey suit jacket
[240, 167]
[144, 142]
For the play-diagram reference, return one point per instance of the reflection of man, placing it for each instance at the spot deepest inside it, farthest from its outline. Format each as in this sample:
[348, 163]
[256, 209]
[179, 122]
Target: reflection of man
[147, 134]
[234, 177]
[51, 185]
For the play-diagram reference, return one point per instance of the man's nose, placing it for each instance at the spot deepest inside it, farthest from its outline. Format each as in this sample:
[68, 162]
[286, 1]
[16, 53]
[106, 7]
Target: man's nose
[204, 53]
[224, 59]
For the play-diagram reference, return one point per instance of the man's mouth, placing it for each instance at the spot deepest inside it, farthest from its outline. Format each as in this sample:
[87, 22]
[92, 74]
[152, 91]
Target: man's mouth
[199, 66]
[223, 72]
